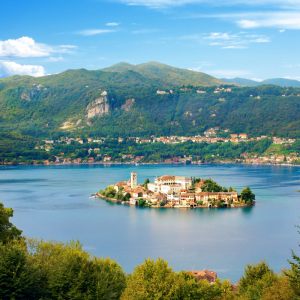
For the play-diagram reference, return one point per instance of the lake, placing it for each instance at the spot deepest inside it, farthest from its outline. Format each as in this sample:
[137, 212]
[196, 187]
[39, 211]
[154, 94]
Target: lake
[52, 202]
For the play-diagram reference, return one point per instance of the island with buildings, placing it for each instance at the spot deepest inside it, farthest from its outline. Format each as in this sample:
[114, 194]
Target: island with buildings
[176, 192]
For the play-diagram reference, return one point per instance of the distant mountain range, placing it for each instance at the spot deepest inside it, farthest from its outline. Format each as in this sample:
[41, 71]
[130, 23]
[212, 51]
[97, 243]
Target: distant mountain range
[276, 81]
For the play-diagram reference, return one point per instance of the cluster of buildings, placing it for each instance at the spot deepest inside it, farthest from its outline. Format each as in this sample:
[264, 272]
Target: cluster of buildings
[172, 191]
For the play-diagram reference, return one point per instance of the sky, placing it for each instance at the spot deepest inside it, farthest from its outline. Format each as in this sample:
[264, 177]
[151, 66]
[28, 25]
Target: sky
[255, 39]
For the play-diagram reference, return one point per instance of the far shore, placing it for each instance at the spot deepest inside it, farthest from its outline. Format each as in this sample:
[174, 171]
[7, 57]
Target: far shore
[143, 163]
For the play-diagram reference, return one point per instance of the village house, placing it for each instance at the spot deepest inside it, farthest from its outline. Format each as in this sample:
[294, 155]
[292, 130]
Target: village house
[210, 276]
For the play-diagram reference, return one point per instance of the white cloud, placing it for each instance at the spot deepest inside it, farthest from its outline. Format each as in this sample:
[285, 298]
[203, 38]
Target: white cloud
[55, 59]
[68, 46]
[112, 24]
[239, 40]
[294, 78]
[168, 3]
[281, 19]
[196, 69]
[284, 19]
[9, 68]
[23, 47]
[88, 32]
[234, 47]
[256, 79]
[27, 47]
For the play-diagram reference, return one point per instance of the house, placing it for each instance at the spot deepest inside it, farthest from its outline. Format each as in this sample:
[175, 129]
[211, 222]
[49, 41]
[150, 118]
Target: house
[89, 140]
[173, 197]
[210, 276]
[201, 92]
[161, 92]
[187, 198]
[120, 184]
[104, 93]
[91, 159]
[137, 192]
[243, 135]
[199, 186]
[107, 158]
[233, 136]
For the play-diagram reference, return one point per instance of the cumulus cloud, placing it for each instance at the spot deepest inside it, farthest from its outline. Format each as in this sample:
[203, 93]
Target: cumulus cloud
[9, 68]
[89, 32]
[27, 47]
[23, 47]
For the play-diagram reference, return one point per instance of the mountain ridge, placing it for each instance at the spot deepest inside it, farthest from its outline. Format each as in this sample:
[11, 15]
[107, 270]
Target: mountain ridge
[176, 76]
[284, 82]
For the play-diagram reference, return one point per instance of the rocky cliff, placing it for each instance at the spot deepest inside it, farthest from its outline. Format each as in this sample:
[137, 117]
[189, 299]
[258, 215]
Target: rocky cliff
[128, 104]
[98, 107]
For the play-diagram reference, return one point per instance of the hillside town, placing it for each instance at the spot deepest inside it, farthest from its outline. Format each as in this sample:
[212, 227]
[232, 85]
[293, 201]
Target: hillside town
[172, 191]
[210, 136]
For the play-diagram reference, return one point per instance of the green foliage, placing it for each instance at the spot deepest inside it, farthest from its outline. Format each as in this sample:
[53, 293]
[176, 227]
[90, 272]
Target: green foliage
[8, 231]
[110, 192]
[126, 197]
[18, 278]
[247, 195]
[68, 272]
[102, 192]
[294, 276]
[142, 202]
[146, 183]
[256, 278]
[211, 186]
[200, 202]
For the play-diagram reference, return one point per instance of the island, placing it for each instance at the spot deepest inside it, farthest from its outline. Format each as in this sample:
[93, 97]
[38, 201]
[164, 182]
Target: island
[176, 192]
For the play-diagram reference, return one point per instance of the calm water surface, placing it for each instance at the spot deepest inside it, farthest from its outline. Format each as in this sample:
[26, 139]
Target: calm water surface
[53, 202]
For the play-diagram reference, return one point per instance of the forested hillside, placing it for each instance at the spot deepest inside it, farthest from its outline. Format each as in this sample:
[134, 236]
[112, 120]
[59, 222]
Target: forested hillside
[176, 76]
[115, 104]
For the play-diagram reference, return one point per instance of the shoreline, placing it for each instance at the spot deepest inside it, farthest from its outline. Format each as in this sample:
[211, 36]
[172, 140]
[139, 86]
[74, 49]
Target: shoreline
[96, 195]
[137, 164]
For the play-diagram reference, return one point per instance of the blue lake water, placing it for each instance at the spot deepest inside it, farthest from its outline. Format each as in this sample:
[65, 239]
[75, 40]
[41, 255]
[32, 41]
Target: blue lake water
[52, 202]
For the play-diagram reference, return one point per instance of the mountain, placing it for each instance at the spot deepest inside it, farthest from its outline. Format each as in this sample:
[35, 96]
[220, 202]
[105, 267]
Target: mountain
[276, 81]
[175, 76]
[241, 81]
[125, 103]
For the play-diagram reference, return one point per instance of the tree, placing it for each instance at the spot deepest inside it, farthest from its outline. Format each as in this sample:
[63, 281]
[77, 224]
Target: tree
[256, 278]
[247, 195]
[8, 231]
[142, 202]
[68, 272]
[18, 279]
[155, 280]
[146, 183]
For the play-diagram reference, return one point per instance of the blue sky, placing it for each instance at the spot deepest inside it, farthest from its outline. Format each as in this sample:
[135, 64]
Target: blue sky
[255, 39]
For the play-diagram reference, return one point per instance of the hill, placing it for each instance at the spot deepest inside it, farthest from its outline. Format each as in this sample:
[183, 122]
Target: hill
[175, 76]
[126, 103]
[276, 81]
